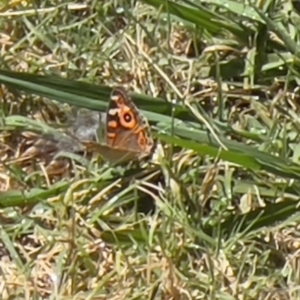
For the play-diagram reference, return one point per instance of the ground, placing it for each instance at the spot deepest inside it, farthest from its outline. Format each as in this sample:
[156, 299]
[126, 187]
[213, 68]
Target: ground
[212, 212]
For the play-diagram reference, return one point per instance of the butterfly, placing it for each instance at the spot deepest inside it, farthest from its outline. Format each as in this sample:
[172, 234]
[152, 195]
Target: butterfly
[124, 132]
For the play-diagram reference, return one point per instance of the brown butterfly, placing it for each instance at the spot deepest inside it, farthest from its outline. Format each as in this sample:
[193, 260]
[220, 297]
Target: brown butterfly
[126, 132]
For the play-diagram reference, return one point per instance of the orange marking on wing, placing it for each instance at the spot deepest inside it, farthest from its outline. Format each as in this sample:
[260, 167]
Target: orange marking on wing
[112, 124]
[111, 135]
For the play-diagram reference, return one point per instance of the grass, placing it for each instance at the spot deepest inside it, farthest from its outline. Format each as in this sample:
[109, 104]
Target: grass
[213, 214]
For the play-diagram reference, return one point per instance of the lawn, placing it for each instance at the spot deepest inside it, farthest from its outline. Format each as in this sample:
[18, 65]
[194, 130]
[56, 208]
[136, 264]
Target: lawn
[211, 212]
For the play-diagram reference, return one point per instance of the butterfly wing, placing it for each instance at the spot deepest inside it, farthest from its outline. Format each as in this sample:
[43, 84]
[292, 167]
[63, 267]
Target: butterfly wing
[126, 127]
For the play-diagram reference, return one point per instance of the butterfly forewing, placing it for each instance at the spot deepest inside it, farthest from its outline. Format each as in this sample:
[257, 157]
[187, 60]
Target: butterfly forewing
[126, 127]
